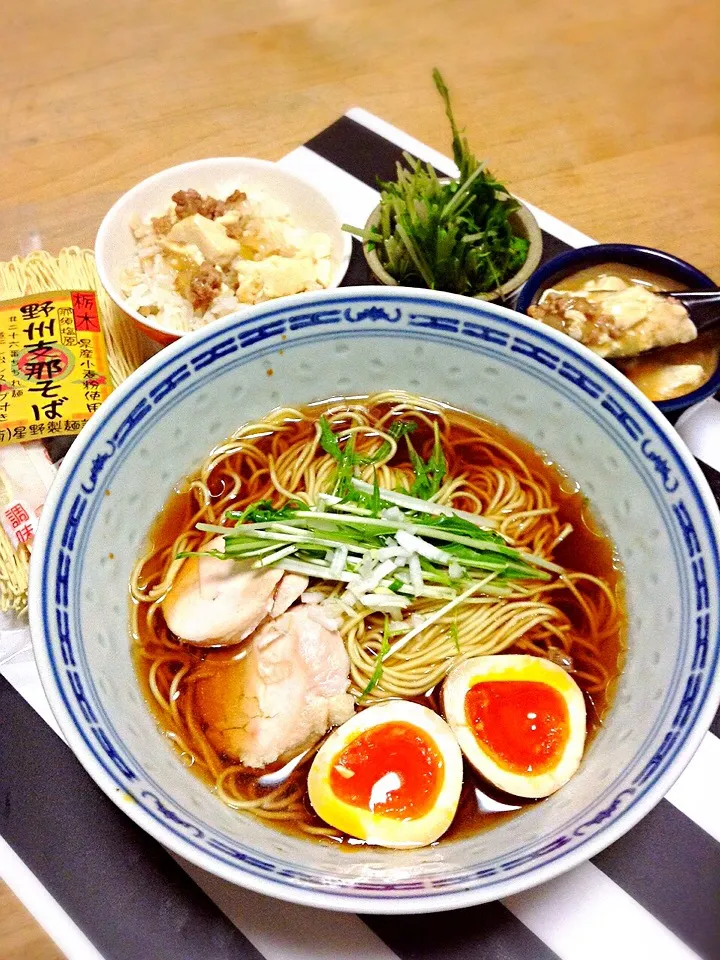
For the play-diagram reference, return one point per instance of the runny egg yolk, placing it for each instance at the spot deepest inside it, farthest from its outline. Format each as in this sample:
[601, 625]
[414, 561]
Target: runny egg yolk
[391, 775]
[523, 724]
[520, 721]
[393, 769]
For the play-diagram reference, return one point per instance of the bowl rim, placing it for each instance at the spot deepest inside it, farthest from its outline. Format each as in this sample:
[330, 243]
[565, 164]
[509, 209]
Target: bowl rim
[146, 324]
[548, 271]
[535, 247]
[430, 901]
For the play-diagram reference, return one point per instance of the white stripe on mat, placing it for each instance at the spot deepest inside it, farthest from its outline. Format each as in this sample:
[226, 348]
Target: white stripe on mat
[700, 427]
[46, 910]
[290, 932]
[353, 200]
[584, 915]
[697, 791]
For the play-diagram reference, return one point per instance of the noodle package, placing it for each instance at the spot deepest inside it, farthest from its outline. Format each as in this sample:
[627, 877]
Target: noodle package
[53, 365]
[64, 345]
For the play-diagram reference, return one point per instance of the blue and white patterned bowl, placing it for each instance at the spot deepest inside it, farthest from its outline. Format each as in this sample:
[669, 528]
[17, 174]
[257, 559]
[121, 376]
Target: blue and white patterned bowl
[158, 426]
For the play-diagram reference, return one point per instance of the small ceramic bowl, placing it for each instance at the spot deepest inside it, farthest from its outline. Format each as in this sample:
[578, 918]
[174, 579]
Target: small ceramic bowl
[647, 258]
[524, 224]
[218, 176]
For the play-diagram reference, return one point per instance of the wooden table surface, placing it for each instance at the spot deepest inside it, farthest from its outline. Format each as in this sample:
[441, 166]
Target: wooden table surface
[605, 114]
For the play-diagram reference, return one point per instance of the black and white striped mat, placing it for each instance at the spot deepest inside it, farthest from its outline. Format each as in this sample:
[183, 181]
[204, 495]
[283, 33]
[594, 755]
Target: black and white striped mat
[105, 890]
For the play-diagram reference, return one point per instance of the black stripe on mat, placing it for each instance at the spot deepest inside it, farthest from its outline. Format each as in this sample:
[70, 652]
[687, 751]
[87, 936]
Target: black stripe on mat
[358, 273]
[671, 866]
[127, 895]
[488, 931]
[712, 476]
[369, 157]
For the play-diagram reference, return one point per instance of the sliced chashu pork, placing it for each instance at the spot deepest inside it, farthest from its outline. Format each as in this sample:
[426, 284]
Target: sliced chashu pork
[215, 601]
[292, 586]
[288, 690]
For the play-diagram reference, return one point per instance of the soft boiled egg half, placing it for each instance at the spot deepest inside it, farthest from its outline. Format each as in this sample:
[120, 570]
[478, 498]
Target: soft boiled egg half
[520, 721]
[391, 776]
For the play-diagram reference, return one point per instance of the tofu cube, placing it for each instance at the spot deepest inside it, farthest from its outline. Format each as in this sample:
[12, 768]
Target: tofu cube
[208, 236]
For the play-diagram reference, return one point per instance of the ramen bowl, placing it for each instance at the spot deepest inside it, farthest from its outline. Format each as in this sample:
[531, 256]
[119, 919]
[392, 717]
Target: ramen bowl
[160, 424]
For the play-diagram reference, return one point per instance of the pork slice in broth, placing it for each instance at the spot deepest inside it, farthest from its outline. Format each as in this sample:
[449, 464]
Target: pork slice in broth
[290, 589]
[283, 695]
[214, 602]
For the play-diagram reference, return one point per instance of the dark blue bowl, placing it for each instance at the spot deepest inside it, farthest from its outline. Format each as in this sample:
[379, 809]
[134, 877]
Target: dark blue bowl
[657, 261]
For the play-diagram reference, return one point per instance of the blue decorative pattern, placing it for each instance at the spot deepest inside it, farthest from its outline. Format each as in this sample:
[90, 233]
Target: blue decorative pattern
[246, 339]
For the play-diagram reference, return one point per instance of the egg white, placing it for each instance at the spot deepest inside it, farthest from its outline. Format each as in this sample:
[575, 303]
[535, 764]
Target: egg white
[516, 667]
[375, 828]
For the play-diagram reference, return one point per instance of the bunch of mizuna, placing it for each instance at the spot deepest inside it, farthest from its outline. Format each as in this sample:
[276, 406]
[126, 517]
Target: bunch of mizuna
[454, 235]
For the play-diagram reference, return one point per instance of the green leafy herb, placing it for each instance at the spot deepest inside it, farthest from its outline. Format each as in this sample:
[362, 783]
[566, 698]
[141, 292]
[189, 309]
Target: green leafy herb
[400, 428]
[378, 671]
[499, 561]
[420, 542]
[345, 470]
[328, 441]
[437, 464]
[397, 430]
[418, 464]
[454, 634]
[262, 512]
[428, 476]
[345, 457]
[375, 504]
[463, 527]
[455, 235]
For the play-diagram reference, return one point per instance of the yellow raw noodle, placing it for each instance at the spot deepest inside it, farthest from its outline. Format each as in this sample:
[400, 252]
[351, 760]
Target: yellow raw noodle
[14, 568]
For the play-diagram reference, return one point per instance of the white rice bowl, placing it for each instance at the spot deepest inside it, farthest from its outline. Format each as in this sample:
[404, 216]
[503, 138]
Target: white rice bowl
[137, 276]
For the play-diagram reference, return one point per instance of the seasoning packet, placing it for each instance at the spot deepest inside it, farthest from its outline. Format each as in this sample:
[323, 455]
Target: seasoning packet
[26, 474]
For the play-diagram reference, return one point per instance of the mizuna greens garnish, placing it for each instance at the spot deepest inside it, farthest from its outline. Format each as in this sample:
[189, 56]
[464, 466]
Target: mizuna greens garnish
[376, 676]
[347, 459]
[383, 548]
[454, 236]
